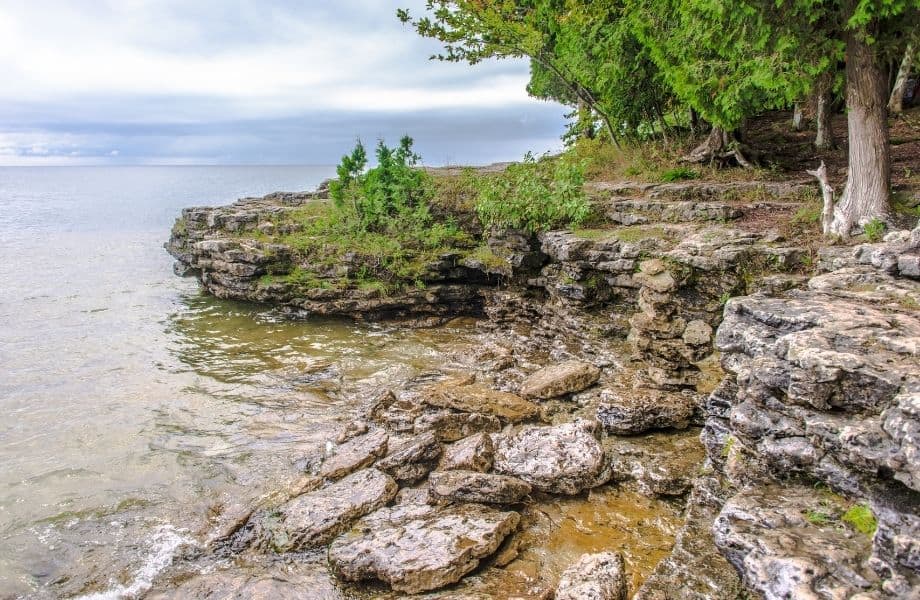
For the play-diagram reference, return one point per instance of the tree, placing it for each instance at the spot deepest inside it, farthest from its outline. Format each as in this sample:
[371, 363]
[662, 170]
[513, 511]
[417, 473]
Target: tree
[896, 101]
[473, 30]
[872, 32]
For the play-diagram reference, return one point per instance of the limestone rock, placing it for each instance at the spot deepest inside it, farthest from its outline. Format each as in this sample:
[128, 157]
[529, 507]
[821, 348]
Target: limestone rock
[451, 426]
[314, 518]
[478, 398]
[473, 486]
[765, 534]
[564, 459]
[697, 333]
[638, 411]
[660, 464]
[558, 380]
[594, 577]
[474, 453]
[355, 454]
[413, 460]
[423, 550]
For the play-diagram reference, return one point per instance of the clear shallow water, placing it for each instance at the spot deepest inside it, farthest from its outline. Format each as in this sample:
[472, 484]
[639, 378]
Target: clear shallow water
[130, 403]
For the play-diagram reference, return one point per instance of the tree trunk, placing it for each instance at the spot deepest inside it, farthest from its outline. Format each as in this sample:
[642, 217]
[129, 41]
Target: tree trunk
[824, 138]
[896, 102]
[798, 117]
[868, 187]
[718, 149]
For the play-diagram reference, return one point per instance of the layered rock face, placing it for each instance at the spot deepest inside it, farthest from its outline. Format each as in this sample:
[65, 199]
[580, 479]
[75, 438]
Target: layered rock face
[820, 408]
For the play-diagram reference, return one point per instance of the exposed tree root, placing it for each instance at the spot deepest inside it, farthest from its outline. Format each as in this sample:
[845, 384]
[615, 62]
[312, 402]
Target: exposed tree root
[721, 150]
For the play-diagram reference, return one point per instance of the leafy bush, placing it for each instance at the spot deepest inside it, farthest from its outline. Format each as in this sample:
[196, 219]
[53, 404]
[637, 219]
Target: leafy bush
[534, 195]
[875, 230]
[679, 174]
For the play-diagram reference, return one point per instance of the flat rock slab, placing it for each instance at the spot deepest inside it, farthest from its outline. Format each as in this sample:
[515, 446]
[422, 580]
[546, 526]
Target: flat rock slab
[312, 519]
[558, 380]
[413, 460]
[355, 454]
[594, 577]
[450, 426]
[765, 534]
[660, 464]
[638, 411]
[422, 551]
[472, 486]
[478, 398]
[474, 453]
[564, 459]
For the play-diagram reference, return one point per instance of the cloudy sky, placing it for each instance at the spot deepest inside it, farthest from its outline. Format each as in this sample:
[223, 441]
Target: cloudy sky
[247, 82]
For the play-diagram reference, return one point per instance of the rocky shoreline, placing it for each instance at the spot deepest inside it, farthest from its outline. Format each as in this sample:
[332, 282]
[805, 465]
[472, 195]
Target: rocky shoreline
[603, 353]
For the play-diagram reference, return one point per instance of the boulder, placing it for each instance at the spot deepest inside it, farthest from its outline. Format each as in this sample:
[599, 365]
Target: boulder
[473, 486]
[638, 411]
[420, 549]
[558, 380]
[450, 426]
[474, 453]
[355, 454]
[594, 577]
[478, 398]
[413, 460]
[314, 518]
[564, 459]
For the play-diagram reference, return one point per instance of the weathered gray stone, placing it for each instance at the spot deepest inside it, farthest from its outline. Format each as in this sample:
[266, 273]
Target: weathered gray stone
[314, 518]
[478, 398]
[413, 460]
[451, 426]
[355, 454]
[420, 550]
[558, 380]
[660, 464]
[564, 459]
[697, 333]
[474, 453]
[638, 411]
[473, 486]
[594, 577]
[765, 534]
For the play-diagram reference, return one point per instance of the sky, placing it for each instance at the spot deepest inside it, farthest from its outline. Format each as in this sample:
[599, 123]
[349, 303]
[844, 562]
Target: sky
[248, 82]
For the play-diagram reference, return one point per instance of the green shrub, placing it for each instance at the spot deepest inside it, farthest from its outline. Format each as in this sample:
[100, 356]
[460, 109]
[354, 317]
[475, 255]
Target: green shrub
[860, 518]
[874, 230]
[679, 174]
[534, 195]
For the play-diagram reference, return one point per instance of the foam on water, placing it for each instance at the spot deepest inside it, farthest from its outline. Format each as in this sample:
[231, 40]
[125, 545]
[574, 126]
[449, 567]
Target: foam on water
[166, 543]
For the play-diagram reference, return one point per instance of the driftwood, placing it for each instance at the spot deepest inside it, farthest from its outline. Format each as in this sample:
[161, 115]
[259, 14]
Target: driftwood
[827, 192]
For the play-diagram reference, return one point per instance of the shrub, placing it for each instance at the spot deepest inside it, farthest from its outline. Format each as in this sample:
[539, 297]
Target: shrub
[874, 230]
[534, 195]
[679, 174]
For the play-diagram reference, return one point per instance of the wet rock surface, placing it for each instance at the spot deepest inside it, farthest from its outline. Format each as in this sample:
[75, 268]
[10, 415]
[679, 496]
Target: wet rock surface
[470, 397]
[475, 453]
[425, 551]
[314, 518]
[638, 411]
[594, 577]
[356, 453]
[558, 380]
[658, 464]
[473, 486]
[564, 459]
[413, 460]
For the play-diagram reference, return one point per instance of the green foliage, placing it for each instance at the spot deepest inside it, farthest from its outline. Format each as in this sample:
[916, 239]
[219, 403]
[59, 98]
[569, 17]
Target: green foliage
[819, 517]
[727, 447]
[874, 230]
[534, 195]
[860, 518]
[679, 174]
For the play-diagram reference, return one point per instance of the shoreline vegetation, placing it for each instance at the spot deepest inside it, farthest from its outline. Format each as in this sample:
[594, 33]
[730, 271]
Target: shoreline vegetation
[708, 326]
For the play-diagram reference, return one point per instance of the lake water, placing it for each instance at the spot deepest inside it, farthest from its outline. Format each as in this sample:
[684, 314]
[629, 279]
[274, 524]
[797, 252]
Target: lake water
[129, 401]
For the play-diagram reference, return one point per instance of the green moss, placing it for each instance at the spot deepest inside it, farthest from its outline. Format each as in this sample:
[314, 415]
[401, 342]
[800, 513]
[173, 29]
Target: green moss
[637, 233]
[727, 447]
[487, 257]
[180, 227]
[860, 518]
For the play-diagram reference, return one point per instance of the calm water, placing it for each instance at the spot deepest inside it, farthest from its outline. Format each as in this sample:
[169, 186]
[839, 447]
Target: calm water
[130, 403]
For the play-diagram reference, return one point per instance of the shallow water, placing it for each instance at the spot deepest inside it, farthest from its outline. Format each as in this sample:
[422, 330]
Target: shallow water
[134, 407]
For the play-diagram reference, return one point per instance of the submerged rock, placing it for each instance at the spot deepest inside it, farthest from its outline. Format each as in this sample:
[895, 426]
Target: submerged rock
[594, 577]
[660, 464]
[314, 518]
[638, 411]
[478, 398]
[474, 453]
[413, 460]
[472, 486]
[564, 459]
[558, 380]
[421, 550]
[357, 453]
